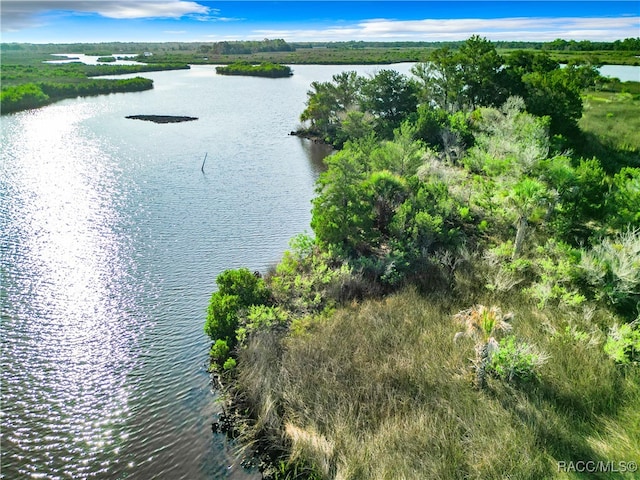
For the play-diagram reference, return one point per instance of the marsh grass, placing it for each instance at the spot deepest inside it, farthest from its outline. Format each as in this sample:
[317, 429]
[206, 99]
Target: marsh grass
[379, 390]
[614, 118]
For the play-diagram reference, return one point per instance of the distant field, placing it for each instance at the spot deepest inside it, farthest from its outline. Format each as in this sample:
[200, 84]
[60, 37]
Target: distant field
[614, 117]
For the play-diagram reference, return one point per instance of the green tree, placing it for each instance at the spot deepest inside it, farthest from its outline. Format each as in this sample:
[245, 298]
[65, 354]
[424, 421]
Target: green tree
[391, 97]
[555, 95]
[341, 216]
[482, 73]
[330, 103]
[440, 80]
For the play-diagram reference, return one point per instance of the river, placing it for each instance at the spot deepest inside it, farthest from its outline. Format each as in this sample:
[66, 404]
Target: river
[111, 239]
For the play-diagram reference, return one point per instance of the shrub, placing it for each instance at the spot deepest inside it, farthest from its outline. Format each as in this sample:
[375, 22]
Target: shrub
[229, 364]
[623, 343]
[515, 360]
[237, 289]
[260, 317]
[219, 351]
[482, 324]
[612, 269]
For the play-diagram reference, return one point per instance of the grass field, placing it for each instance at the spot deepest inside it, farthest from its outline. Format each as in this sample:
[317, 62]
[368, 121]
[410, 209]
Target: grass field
[381, 391]
[614, 117]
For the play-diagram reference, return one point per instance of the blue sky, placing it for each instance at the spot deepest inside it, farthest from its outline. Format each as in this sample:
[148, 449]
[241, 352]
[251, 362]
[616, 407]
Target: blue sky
[61, 21]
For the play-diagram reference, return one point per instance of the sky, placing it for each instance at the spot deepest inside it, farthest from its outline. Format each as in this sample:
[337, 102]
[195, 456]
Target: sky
[69, 21]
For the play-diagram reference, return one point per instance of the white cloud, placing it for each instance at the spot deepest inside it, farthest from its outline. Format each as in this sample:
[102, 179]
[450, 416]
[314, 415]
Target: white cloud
[525, 29]
[20, 14]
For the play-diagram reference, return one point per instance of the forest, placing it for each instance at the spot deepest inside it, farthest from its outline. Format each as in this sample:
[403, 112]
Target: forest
[468, 303]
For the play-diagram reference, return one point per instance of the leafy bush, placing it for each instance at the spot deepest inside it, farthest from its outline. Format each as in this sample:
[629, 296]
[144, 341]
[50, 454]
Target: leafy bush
[623, 343]
[515, 360]
[219, 351]
[260, 317]
[237, 289]
[229, 364]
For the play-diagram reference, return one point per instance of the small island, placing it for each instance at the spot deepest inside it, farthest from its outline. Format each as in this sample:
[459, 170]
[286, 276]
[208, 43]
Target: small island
[162, 118]
[107, 59]
[265, 69]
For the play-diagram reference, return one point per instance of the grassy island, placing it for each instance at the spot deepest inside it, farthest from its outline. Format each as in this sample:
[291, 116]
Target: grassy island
[469, 303]
[107, 59]
[265, 69]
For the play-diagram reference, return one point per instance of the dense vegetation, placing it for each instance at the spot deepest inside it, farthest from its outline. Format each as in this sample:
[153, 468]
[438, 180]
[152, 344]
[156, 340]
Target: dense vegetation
[34, 84]
[265, 69]
[469, 304]
[620, 52]
[33, 95]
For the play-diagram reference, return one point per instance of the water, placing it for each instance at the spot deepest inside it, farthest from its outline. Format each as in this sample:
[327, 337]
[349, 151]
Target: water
[626, 73]
[111, 239]
[121, 59]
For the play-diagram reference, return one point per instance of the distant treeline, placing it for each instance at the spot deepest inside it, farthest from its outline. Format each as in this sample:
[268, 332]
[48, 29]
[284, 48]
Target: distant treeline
[280, 45]
[265, 69]
[245, 47]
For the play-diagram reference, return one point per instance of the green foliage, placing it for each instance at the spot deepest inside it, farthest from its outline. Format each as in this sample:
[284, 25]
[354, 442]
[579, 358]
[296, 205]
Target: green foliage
[219, 351]
[311, 282]
[508, 141]
[554, 94]
[260, 317]
[229, 364]
[265, 69]
[237, 290]
[390, 97]
[482, 72]
[556, 270]
[516, 361]
[612, 269]
[29, 95]
[623, 343]
[341, 216]
[332, 108]
[581, 194]
[624, 203]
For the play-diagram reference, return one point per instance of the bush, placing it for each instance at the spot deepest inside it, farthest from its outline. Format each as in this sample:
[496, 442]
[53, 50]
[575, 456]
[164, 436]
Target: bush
[612, 269]
[623, 343]
[219, 351]
[237, 289]
[229, 364]
[260, 317]
[515, 360]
